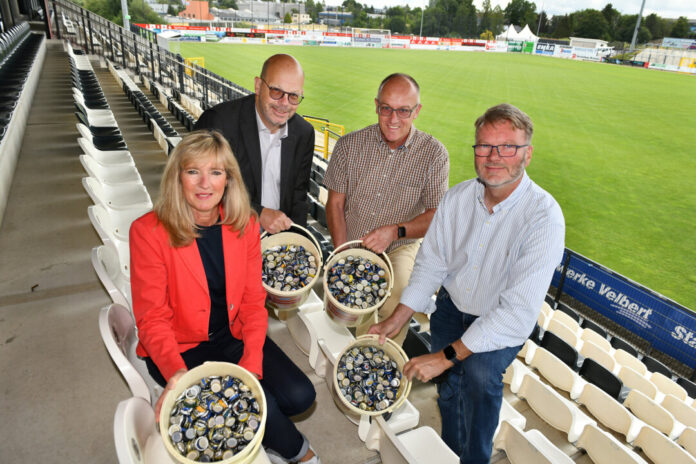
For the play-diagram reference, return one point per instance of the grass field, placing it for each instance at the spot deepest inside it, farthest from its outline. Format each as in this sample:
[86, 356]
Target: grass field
[615, 146]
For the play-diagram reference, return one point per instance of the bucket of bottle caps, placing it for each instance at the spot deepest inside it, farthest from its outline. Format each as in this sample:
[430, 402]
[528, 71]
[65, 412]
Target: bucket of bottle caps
[292, 263]
[215, 413]
[357, 282]
[368, 377]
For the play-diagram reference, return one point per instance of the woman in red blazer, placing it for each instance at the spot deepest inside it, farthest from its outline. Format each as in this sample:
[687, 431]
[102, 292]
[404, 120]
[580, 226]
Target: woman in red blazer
[197, 292]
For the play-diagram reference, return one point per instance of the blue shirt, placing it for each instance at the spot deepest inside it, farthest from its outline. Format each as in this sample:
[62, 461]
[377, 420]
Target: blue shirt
[497, 266]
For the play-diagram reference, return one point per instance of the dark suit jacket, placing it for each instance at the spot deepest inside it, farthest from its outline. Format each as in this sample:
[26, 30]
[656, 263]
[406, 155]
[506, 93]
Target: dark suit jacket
[237, 121]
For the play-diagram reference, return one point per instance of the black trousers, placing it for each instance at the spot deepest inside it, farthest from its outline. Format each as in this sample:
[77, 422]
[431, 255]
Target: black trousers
[288, 390]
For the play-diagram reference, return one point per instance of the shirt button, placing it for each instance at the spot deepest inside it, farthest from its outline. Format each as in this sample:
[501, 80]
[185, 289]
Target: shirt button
[480, 245]
[475, 267]
[488, 222]
[468, 290]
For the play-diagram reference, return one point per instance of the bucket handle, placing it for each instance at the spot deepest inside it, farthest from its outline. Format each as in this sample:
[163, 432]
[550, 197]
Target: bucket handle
[356, 242]
[309, 235]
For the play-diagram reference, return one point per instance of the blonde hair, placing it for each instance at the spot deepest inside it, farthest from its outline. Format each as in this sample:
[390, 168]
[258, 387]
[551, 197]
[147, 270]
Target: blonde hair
[171, 207]
[506, 112]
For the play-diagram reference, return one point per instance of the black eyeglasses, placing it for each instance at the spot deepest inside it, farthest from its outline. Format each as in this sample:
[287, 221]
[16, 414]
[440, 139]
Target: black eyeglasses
[277, 94]
[484, 150]
[402, 113]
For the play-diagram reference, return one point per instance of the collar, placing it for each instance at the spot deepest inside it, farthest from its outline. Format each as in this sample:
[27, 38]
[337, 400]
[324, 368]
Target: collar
[510, 201]
[282, 133]
[377, 133]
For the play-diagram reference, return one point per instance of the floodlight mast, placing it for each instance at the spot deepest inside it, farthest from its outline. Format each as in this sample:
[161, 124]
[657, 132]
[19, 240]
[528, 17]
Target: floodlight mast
[124, 12]
[635, 32]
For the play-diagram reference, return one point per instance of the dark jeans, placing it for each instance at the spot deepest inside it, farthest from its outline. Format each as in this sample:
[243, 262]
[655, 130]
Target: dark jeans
[472, 393]
[288, 390]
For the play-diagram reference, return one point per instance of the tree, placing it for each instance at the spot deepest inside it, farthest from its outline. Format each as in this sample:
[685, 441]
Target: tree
[487, 35]
[287, 19]
[521, 12]
[657, 26]
[485, 20]
[139, 11]
[591, 24]
[396, 24]
[313, 9]
[227, 4]
[562, 26]
[680, 29]
[543, 24]
[627, 25]
[613, 17]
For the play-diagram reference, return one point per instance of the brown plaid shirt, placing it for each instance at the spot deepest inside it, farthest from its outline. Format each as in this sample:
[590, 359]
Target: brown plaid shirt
[383, 186]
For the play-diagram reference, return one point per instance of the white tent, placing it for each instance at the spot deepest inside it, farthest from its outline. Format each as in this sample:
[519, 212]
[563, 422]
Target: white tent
[510, 33]
[527, 34]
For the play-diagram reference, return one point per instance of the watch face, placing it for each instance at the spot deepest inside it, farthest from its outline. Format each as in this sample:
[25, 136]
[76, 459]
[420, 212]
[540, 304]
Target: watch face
[450, 353]
[402, 232]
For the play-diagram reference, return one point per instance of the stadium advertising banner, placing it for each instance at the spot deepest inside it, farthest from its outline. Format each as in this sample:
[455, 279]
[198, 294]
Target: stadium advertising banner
[664, 324]
[545, 49]
[515, 46]
[684, 44]
[528, 47]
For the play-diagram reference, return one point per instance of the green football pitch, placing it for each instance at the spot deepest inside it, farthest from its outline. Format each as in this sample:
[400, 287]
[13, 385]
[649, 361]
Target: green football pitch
[615, 146]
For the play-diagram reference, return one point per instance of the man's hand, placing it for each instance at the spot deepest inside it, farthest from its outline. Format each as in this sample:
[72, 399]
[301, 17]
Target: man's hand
[274, 221]
[379, 239]
[391, 326]
[427, 366]
[170, 387]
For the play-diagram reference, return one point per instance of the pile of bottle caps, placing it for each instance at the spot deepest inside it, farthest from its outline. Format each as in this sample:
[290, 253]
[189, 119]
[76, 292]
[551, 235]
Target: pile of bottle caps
[288, 267]
[214, 419]
[368, 378]
[357, 282]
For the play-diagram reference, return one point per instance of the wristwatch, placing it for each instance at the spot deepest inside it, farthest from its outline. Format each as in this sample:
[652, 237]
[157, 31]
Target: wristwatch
[450, 353]
[401, 232]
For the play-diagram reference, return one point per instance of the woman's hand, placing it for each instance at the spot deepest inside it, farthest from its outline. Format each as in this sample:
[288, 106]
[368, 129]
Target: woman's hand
[170, 386]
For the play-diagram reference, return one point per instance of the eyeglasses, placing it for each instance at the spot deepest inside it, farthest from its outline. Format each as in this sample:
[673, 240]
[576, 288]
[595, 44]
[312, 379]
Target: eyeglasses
[277, 94]
[504, 151]
[402, 113]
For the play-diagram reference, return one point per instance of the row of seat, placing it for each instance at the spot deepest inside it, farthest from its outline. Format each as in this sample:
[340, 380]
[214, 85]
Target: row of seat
[590, 343]
[18, 50]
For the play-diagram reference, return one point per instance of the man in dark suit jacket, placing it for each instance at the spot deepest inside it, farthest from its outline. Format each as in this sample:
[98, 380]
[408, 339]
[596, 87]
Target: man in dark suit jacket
[273, 145]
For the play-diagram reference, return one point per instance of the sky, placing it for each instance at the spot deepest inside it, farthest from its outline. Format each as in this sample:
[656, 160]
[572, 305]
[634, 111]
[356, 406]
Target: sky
[664, 8]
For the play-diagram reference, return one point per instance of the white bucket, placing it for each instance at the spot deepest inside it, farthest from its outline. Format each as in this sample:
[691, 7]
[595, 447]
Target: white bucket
[340, 313]
[192, 377]
[278, 299]
[396, 353]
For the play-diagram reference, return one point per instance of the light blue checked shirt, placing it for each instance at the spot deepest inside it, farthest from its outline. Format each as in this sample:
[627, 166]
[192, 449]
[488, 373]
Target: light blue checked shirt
[496, 266]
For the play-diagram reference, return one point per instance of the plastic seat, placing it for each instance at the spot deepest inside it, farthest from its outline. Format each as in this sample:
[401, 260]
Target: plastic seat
[687, 385]
[570, 336]
[620, 344]
[123, 196]
[624, 358]
[654, 365]
[590, 350]
[530, 447]
[595, 373]
[296, 326]
[602, 448]
[115, 174]
[535, 336]
[609, 412]
[564, 308]
[561, 349]
[660, 449]
[118, 332]
[588, 324]
[556, 372]
[635, 381]
[567, 321]
[137, 439]
[681, 411]
[421, 445]
[106, 158]
[335, 336]
[553, 408]
[650, 412]
[596, 338]
[528, 347]
[510, 415]
[688, 440]
[107, 265]
[668, 386]
[113, 224]
[515, 373]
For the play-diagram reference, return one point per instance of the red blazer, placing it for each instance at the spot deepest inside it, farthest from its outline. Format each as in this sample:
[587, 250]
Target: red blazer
[171, 303]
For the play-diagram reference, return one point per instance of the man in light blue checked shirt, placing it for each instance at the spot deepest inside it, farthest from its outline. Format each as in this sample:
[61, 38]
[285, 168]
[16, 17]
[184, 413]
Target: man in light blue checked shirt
[491, 250]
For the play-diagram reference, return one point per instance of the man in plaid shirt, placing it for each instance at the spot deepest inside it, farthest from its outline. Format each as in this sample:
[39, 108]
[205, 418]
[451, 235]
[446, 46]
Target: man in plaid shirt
[385, 182]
